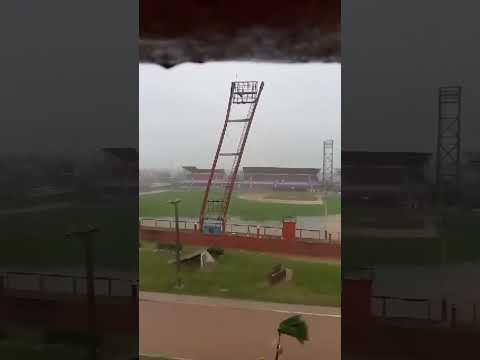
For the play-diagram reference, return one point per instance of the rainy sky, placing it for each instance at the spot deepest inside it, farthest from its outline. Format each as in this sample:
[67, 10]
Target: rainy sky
[182, 111]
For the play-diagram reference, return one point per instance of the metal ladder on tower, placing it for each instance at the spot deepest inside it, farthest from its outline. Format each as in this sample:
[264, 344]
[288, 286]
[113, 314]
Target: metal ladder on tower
[215, 206]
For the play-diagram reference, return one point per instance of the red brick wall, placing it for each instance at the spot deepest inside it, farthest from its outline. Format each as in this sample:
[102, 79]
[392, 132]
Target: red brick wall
[269, 245]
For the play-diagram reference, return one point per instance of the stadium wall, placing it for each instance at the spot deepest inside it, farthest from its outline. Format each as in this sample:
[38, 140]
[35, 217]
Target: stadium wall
[243, 242]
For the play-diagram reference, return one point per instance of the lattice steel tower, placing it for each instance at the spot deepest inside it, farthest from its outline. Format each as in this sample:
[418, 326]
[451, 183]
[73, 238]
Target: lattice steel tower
[244, 97]
[327, 170]
[448, 140]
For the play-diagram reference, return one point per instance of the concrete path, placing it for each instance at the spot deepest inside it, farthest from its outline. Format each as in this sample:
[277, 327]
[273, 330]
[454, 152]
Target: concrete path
[201, 328]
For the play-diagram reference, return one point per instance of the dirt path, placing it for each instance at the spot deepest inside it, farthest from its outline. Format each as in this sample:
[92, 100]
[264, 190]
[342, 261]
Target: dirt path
[263, 197]
[199, 328]
[331, 261]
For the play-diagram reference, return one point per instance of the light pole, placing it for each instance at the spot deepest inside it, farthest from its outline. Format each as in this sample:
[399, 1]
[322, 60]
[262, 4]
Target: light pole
[177, 242]
[87, 237]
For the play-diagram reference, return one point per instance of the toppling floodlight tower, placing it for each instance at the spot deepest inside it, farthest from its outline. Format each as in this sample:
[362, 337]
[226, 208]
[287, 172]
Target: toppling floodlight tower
[327, 170]
[244, 97]
[448, 157]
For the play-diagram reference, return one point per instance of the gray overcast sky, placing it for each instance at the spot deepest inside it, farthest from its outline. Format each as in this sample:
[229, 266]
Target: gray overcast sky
[182, 111]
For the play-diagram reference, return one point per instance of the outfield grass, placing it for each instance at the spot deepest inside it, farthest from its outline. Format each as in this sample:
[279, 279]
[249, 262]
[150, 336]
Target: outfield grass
[244, 275]
[156, 205]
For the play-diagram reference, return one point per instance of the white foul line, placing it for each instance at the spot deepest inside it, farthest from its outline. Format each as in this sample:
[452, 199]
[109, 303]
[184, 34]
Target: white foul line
[161, 356]
[306, 313]
[249, 308]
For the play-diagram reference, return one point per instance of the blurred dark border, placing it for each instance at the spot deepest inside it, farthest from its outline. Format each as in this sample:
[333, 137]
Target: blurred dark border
[410, 176]
[69, 166]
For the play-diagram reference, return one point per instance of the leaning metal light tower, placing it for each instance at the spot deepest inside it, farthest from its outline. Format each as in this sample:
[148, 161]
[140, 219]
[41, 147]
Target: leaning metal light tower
[244, 97]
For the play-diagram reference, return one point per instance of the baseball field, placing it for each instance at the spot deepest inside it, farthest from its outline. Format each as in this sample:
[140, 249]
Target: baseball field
[272, 206]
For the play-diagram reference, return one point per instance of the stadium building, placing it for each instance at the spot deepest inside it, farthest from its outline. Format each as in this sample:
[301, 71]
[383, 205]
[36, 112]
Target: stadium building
[280, 178]
[199, 177]
[258, 178]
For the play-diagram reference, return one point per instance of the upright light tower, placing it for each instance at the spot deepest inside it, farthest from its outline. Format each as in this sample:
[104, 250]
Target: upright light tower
[448, 167]
[244, 97]
[327, 171]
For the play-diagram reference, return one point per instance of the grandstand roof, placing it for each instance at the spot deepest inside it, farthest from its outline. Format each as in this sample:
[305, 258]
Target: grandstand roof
[194, 169]
[279, 170]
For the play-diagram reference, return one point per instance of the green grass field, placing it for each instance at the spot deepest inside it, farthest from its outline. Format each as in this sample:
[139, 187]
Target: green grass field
[244, 274]
[156, 205]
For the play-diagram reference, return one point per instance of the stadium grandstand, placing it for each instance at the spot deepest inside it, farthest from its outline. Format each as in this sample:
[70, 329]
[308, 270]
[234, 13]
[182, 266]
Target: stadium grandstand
[199, 177]
[280, 178]
[258, 178]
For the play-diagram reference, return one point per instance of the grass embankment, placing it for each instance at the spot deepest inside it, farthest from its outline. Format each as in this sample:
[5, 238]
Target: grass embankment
[156, 205]
[243, 275]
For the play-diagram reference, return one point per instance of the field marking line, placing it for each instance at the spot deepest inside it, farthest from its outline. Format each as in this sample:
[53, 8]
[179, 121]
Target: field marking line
[306, 313]
[154, 356]
[246, 308]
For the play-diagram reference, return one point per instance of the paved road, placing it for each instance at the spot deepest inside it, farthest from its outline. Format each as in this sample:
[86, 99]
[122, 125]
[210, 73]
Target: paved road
[201, 328]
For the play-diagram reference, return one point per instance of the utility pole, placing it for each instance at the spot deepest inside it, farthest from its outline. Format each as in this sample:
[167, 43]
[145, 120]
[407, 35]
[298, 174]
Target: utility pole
[177, 242]
[87, 237]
